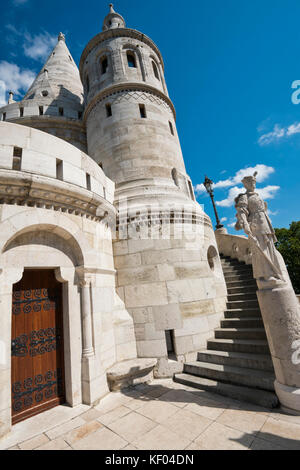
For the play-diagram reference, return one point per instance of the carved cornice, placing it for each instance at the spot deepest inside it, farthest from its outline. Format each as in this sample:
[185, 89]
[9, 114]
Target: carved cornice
[125, 86]
[26, 189]
[115, 33]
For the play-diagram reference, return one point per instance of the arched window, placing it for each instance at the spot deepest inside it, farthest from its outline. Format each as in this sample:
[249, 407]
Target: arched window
[131, 59]
[175, 177]
[104, 64]
[155, 71]
[171, 128]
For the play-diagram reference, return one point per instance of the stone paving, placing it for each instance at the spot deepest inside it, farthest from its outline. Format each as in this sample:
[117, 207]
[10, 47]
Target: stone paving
[162, 415]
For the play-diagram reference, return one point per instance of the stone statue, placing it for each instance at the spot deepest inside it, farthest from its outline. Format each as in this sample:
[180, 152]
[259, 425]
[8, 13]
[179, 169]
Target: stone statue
[277, 300]
[268, 265]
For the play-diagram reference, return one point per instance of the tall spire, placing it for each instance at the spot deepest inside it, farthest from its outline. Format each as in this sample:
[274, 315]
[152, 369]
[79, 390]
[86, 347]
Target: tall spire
[113, 20]
[59, 77]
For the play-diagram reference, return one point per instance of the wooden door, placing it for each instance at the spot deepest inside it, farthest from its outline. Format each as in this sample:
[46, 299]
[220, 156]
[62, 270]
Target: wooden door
[37, 369]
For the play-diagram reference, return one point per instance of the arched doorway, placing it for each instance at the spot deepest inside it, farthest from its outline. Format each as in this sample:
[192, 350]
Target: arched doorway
[37, 357]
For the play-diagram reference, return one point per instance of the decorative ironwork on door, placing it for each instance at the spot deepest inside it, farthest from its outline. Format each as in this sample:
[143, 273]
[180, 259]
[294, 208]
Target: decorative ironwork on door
[37, 344]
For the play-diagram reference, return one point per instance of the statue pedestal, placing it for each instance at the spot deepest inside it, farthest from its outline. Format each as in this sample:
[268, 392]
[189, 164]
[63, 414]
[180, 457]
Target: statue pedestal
[281, 316]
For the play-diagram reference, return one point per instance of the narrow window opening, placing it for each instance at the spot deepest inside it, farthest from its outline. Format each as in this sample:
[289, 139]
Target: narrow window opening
[143, 111]
[59, 169]
[155, 71]
[21, 112]
[108, 110]
[41, 110]
[170, 344]
[171, 128]
[61, 111]
[131, 60]
[17, 158]
[79, 114]
[104, 65]
[88, 181]
[4, 117]
[175, 177]
[191, 190]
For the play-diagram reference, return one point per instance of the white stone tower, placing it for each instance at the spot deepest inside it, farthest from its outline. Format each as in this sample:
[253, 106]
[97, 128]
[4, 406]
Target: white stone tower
[54, 101]
[172, 285]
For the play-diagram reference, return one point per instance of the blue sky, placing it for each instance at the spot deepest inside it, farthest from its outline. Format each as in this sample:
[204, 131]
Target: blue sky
[230, 66]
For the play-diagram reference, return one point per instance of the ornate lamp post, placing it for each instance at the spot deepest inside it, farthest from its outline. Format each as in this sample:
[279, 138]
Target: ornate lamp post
[208, 186]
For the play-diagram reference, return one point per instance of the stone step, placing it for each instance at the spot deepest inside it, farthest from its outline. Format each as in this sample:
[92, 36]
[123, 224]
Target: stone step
[251, 283]
[231, 261]
[253, 346]
[238, 270]
[242, 313]
[242, 296]
[261, 379]
[246, 322]
[244, 278]
[247, 394]
[240, 333]
[238, 359]
[253, 303]
[242, 289]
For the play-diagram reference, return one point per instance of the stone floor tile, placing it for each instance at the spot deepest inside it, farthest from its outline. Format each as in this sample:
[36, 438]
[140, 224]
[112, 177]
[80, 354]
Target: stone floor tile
[194, 446]
[65, 427]
[157, 391]
[131, 426]
[41, 423]
[242, 420]
[220, 437]
[56, 444]
[103, 439]
[282, 416]
[112, 401]
[90, 415]
[281, 433]
[130, 447]
[138, 403]
[161, 439]
[34, 442]
[81, 432]
[205, 407]
[14, 448]
[178, 397]
[262, 444]
[158, 411]
[186, 424]
[113, 415]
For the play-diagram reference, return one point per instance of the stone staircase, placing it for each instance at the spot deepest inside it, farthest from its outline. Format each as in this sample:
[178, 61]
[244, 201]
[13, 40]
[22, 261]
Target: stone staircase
[237, 361]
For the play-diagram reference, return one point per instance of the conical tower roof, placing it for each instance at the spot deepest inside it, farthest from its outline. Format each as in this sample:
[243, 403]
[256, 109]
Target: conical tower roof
[59, 78]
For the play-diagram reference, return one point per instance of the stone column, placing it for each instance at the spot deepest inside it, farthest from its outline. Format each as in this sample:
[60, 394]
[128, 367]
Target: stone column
[86, 315]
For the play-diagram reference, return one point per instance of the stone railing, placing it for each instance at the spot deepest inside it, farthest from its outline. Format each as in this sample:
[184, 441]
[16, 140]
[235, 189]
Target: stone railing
[40, 170]
[235, 246]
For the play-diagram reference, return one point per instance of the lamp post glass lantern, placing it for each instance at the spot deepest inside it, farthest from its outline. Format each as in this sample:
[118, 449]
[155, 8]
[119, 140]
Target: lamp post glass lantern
[208, 184]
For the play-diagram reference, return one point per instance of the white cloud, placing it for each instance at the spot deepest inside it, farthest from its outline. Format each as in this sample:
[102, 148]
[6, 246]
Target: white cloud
[232, 194]
[223, 219]
[278, 133]
[263, 171]
[38, 47]
[2, 93]
[15, 79]
[268, 192]
[232, 224]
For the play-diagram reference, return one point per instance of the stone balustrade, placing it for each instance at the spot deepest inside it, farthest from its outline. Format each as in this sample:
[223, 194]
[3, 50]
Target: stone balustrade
[235, 246]
[39, 169]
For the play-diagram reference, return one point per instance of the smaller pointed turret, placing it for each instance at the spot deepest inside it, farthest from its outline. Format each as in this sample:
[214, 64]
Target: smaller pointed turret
[113, 20]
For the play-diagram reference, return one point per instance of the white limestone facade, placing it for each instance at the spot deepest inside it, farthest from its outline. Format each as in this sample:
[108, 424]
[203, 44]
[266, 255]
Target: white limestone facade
[168, 269]
[93, 186]
[51, 219]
